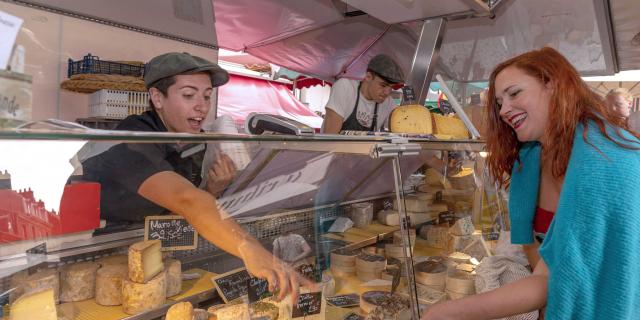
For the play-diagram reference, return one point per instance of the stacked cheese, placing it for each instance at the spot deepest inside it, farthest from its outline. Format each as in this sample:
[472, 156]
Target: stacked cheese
[370, 267]
[436, 235]
[420, 208]
[343, 263]
[460, 284]
[145, 287]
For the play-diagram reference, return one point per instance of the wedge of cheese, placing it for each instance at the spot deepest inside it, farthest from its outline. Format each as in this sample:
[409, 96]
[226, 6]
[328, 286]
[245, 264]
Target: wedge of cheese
[145, 260]
[450, 126]
[414, 119]
[35, 305]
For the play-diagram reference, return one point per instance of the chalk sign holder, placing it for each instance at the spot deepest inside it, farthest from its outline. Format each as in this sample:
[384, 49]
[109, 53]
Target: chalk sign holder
[232, 285]
[173, 231]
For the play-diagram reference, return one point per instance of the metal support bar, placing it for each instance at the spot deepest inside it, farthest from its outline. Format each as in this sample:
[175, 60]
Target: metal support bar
[406, 240]
[426, 57]
[392, 150]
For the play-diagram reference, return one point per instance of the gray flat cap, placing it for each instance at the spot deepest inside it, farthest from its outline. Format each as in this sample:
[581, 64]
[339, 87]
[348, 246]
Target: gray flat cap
[175, 63]
[386, 68]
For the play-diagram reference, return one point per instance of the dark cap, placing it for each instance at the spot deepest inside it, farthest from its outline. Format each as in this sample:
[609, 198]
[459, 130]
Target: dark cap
[175, 63]
[386, 68]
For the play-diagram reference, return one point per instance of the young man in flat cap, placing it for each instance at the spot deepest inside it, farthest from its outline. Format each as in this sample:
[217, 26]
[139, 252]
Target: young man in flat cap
[364, 105]
[141, 179]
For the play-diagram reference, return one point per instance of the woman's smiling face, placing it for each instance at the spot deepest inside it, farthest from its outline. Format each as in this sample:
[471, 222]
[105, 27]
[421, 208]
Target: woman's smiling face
[524, 103]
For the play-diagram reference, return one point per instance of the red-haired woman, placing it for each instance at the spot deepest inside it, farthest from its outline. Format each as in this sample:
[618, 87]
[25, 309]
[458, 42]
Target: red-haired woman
[566, 157]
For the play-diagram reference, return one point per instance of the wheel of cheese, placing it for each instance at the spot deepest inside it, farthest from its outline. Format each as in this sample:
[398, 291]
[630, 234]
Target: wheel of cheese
[200, 314]
[78, 281]
[38, 304]
[111, 260]
[43, 279]
[459, 257]
[396, 251]
[370, 263]
[460, 282]
[455, 296]
[432, 274]
[368, 276]
[340, 273]
[397, 237]
[346, 258]
[230, 312]
[141, 297]
[411, 119]
[436, 236]
[463, 179]
[174, 276]
[109, 284]
[180, 311]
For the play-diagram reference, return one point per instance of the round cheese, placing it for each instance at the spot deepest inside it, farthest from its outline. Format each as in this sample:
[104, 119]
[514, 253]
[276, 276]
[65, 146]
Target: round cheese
[344, 258]
[411, 119]
[109, 284]
[174, 276]
[141, 297]
[78, 281]
[44, 279]
[432, 274]
[460, 282]
[37, 304]
[180, 311]
[370, 263]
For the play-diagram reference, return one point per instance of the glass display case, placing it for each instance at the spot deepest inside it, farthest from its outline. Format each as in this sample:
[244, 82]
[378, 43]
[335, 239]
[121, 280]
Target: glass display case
[342, 211]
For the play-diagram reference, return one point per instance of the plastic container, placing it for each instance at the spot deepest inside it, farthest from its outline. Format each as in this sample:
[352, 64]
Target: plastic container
[116, 104]
[93, 64]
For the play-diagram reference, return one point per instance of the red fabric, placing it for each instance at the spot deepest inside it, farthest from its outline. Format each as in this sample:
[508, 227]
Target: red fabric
[303, 82]
[243, 95]
[542, 220]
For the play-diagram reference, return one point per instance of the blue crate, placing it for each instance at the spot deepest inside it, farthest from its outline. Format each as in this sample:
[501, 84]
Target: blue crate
[93, 64]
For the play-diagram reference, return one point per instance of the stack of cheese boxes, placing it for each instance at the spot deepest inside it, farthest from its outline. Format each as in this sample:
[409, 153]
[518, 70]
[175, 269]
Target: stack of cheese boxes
[139, 282]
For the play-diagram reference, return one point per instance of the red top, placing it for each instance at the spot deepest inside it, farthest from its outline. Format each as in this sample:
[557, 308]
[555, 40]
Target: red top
[542, 220]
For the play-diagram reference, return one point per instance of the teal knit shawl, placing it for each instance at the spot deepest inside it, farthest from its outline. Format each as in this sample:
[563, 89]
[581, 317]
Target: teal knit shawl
[592, 248]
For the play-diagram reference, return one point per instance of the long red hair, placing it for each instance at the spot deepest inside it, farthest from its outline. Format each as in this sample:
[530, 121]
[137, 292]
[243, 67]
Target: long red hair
[572, 102]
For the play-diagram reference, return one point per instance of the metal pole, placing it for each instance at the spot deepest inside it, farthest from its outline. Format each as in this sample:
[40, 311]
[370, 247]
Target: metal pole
[426, 57]
[406, 240]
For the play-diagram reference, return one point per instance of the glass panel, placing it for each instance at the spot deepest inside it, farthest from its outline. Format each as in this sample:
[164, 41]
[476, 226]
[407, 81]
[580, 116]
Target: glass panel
[455, 217]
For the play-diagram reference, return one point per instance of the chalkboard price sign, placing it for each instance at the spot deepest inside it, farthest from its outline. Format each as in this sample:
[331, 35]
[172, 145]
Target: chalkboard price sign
[308, 304]
[173, 231]
[258, 289]
[232, 285]
[344, 301]
[447, 217]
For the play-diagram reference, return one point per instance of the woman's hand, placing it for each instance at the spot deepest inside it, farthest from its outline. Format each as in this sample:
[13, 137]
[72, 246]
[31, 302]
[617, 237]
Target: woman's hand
[281, 277]
[220, 174]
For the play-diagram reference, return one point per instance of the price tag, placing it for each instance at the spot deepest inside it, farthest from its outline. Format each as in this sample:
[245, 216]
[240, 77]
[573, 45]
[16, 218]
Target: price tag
[258, 289]
[173, 231]
[232, 285]
[408, 96]
[308, 304]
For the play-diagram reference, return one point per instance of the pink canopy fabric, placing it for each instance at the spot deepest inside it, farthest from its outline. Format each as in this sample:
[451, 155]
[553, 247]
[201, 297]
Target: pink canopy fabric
[243, 95]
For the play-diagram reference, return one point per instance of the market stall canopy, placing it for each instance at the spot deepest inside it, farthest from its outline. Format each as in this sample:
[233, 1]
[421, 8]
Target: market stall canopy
[328, 39]
[243, 95]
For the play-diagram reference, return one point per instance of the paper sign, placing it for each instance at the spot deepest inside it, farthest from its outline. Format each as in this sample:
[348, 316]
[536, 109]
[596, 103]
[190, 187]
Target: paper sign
[9, 27]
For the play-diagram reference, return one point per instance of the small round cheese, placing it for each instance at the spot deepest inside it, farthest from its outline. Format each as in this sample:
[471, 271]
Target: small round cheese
[78, 281]
[180, 311]
[109, 284]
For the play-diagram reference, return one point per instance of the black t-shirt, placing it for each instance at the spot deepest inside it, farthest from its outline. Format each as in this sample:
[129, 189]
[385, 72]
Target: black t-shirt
[124, 167]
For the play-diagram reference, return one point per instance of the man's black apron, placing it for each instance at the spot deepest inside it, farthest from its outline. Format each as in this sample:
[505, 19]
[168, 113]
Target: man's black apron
[352, 122]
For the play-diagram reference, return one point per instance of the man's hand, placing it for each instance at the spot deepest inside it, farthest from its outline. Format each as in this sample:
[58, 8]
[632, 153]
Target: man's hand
[220, 174]
[281, 277]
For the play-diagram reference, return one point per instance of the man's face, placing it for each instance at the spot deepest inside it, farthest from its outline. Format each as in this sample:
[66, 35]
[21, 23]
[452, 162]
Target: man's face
[186, 104]
[620, 104]
[377, 89]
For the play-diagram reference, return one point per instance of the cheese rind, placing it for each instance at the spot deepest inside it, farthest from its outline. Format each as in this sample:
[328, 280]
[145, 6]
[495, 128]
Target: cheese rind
[44, 279]
[414, 119]
[109, 284]
[180, 311]
[35, 305]
[141, 297]
[174, 276]
[78, 281]
[145, 260]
